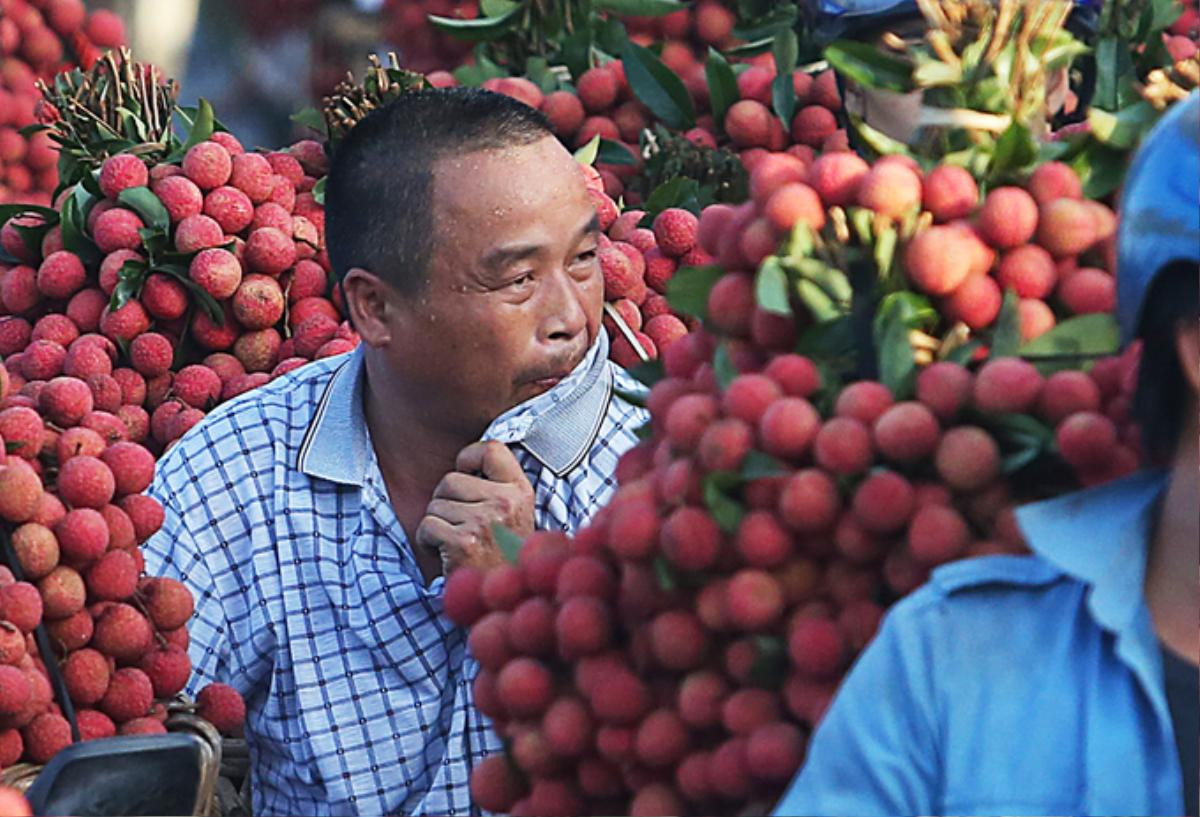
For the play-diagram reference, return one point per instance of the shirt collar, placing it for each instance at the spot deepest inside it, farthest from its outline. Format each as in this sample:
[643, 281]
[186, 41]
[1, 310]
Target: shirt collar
[557, 427]
[1100, 536]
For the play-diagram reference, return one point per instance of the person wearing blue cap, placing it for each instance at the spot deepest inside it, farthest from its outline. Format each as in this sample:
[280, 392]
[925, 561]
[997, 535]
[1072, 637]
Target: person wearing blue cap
[1064, 682]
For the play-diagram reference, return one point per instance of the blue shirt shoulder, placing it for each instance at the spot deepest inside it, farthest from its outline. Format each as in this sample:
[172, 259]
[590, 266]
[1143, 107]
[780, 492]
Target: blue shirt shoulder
[1009, 685]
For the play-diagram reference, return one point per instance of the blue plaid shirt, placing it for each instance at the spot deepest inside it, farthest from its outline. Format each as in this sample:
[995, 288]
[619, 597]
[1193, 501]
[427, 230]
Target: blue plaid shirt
[311, 604]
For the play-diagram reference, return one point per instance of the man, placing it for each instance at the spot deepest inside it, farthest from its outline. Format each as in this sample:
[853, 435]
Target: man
[314, 517]
[1064, 682]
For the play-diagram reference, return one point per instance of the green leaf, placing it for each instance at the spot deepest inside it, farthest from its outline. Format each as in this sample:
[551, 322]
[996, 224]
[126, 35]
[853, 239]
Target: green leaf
[687, 291]
[1076, 339]
[783, 92]
[770, 662]
[869, 67]
[677, 192]
[509, 543]
[725, 510]
[1124, 129]
[1015, 149]
[640, 8]
[771, 287]
[664, 572]
[1006, 337]
[1101, 168]
[318, 191]
[74, 222]
[1014, 462]
[130, 279]
[495, 8]
[477, 30]
[648, 373]
[758, 465]
[207, 302]
[310, 118]
[202, 128]
[897, 361]
[658, 87]
[147, 205]
[586, 155]
[722, 85]
[877, 140]
[753, 48]
[723, 367]
[11, 211]
[610, 37]
[1114, 74]
[614, 153]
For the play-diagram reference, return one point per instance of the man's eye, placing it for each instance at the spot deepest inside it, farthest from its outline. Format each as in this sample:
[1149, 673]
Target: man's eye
[521, 280]
[586, 256]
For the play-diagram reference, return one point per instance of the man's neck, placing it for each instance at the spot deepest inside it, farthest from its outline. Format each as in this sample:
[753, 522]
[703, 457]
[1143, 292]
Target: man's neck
[1173, 570]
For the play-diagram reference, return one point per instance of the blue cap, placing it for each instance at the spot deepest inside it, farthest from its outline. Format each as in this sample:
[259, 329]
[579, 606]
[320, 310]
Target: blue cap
[1160, 209]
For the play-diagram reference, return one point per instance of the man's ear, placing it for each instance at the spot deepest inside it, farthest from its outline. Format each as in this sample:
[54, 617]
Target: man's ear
[368, 302]
[1187, 346]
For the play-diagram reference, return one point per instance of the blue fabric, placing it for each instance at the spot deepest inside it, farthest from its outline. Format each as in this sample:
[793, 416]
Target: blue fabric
[1012, 685]
[309, 602]
[1160, 209]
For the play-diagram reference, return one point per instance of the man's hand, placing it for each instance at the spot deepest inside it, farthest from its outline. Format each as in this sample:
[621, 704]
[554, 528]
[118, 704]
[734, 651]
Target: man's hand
[486, 487]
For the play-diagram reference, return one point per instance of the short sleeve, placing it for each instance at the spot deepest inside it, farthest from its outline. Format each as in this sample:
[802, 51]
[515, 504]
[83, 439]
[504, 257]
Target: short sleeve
[876, 751]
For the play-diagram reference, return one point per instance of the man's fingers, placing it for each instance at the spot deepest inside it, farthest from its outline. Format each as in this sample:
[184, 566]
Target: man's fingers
[464, 488]
[493, 459]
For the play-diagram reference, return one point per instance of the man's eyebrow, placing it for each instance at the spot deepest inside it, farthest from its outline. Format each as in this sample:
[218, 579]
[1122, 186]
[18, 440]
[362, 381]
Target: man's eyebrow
[502, 256]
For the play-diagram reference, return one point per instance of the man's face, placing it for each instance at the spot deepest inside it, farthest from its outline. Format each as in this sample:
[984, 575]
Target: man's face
[513, 293]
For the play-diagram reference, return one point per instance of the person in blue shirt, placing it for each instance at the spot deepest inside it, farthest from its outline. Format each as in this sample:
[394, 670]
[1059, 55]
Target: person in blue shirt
[314, 518]
[1062, 682]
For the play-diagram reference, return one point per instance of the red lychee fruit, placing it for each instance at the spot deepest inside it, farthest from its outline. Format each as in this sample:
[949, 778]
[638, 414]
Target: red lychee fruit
[65, 400]
[61, 275]
[675, 231]
[208, 164]
[812, 125]
[843, 446]
[180, 196]
[252, 174]
[950, 193]
[1054, 180]
[938, 259]
[122, 172]
[151, 354]
[129, 695]
[1007, 384]
[113, 576]
[937, 534]
[496, 784]
[37, 551]
[1066, 227]
[816, 647]
[82, 535]
[748, 123]
[945, 388]
[690, 539]
[87, 674]
[117, 229]
[836, 177]
[787, 427]
[976, 302]
[1029, 270]
[1008, 218]
[678, 640]
[21, 604]
[525, 687]
[63, 592]
[45, 736]
[168, 669]
[809, 501]
[883, 502]
[86, 482]
[1088, 290]
[890, 189]
[270, 251]
[598, 88]
[198, 233]
[731, 304]
[123, 633]
[753, 600]
[1086, 439]
[906, 432]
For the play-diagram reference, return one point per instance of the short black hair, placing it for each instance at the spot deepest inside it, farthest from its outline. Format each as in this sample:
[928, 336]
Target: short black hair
[1162, 393]
[379, 192]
